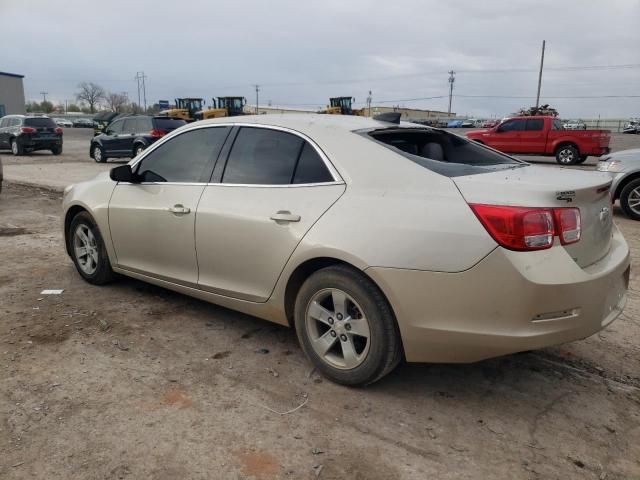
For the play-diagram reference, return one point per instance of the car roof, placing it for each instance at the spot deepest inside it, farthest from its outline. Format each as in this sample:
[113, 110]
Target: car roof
[312, 123]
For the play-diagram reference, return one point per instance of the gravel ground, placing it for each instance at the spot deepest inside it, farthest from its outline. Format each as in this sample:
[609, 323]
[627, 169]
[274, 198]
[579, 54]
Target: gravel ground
[133, 381]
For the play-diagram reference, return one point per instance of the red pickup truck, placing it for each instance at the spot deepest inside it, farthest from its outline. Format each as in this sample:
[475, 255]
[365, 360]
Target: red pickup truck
[544, 136]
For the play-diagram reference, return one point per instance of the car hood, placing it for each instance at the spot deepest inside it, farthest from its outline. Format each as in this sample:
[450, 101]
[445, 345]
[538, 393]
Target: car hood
[631, 154]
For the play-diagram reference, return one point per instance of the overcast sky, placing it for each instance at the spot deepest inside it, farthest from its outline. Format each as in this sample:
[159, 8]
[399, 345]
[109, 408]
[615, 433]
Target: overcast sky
[303, 52]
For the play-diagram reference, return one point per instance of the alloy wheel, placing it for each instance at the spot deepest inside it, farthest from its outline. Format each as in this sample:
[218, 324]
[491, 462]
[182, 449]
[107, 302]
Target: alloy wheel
[86, 249]
[14, 147]
[139, 150]
[338, 329]
[634, 200]
[97, 154]
[566, 155]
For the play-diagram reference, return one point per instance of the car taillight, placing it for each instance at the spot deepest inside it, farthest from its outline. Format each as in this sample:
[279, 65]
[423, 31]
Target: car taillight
[58, 130]
[517, 228]
[568, 225]
[155, 133]
[28, 130]
[524, 228]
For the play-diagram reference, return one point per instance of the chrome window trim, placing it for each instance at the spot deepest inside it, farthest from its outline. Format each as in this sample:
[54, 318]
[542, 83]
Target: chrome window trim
[337, 179]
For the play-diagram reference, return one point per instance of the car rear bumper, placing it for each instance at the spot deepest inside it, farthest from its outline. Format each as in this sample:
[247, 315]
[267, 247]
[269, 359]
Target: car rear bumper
[507, 303]
[41, 143]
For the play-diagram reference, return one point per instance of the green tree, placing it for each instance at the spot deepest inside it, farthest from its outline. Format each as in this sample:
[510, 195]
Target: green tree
[46, 106]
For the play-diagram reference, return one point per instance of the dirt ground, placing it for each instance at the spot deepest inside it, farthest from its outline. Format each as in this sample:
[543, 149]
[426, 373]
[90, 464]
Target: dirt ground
[131, 381]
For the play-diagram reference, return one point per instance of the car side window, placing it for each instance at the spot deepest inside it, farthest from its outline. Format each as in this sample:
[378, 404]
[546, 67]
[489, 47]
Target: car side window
[262, 156]
[535, 124]
[129, 125]
[186, 158]
[557, 125]
[115, 128]
[512, 126]
[143, 125]
[311, 168]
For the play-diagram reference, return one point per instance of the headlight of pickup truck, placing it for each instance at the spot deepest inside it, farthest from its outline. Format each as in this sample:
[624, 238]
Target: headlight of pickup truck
[610, 166]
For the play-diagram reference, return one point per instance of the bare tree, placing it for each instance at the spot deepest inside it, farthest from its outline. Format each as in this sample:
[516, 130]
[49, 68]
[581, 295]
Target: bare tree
[117, 102]
[91, 93]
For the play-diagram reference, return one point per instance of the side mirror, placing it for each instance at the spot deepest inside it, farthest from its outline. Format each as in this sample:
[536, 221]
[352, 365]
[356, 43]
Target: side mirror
[123, 173]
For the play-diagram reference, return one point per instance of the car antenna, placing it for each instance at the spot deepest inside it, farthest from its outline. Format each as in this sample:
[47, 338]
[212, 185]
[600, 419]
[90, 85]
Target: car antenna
[391, 117]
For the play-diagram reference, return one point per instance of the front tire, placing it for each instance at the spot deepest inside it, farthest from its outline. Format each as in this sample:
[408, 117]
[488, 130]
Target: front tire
[16, 148]
[98, 154]
[346, 327]
[630, 199]
[88, 251]
[567, 155]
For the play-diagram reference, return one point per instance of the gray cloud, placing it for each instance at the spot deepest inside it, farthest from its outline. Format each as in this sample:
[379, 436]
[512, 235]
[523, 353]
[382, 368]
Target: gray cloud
[304, 52]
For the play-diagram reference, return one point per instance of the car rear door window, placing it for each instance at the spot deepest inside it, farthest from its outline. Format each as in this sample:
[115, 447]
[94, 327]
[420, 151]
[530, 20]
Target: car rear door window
[130, 125]
[115, 128]
[142, 125]
[535, 124]
[262, 156]
[311, 168]
[167, 124]
[186, 158]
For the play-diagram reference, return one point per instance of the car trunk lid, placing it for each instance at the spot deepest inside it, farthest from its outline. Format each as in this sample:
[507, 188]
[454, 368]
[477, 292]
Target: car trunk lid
[536, 186]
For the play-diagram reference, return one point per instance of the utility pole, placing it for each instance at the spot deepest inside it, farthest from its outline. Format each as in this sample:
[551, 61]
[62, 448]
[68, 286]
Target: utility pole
[44, 96]
[140, 76]
[540, 74]
[257, 99]
[369, 102]
[452, 78]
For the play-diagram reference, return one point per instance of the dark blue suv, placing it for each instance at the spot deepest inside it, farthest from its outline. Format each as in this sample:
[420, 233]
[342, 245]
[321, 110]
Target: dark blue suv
[126, 137]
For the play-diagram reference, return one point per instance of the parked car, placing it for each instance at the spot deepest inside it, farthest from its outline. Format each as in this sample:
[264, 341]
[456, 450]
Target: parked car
[454, 124]
[129, 136]
[574, 125]
[469, 123]
[63, 122]
[379, 241]
[489, 123]
[26, 133]
[83, 123]
[544, 136]
[624, 168]
[632, 127]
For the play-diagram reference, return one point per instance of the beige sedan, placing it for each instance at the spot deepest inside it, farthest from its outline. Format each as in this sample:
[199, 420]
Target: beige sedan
[377, 240]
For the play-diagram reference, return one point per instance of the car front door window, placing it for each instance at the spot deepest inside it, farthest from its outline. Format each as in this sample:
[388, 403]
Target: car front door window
[186, 158]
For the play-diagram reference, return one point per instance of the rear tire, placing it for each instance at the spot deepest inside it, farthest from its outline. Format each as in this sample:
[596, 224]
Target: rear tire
[97, 152]
[567, 155]
[57, 150]
[346, 327]
[16, 148]
[88, 251]
[137, 149]
[630, 199]
[583, 158]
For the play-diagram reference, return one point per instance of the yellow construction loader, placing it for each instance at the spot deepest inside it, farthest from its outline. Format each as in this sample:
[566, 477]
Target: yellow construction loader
[342, 106]
[223, 107]
[186, 109]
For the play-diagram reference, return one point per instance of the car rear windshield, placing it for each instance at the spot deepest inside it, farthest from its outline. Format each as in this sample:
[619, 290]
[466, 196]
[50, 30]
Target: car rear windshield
[168, 123]
[39, 122]
[442, 152]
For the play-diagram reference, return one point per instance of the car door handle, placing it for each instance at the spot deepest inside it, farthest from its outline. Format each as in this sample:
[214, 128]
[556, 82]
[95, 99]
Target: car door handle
[285, 216]
[179, 209]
